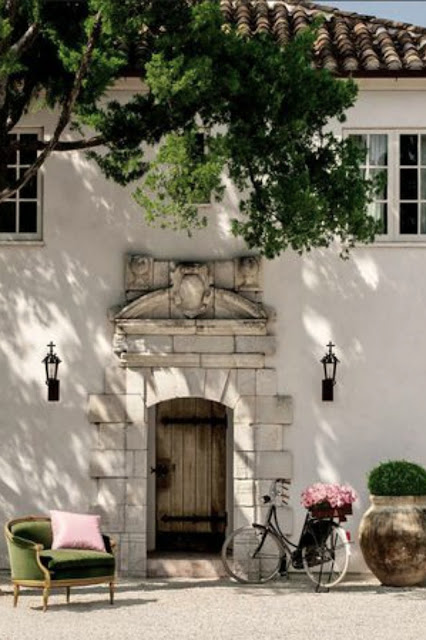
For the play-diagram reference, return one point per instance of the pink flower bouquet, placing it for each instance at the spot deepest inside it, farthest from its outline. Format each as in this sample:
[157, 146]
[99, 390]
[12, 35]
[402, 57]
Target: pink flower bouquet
[329, 498]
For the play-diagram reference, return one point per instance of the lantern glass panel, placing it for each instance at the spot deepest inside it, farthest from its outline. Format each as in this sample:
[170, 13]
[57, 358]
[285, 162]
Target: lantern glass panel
[52, 368]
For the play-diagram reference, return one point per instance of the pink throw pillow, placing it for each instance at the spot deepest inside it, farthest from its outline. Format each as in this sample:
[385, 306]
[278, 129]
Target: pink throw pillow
[76, 531]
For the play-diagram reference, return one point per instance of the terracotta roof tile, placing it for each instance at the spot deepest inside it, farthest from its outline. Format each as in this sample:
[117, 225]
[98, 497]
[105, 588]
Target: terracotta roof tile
[347, 43]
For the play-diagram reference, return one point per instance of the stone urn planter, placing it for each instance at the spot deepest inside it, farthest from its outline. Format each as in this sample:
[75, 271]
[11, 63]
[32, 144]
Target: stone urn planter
[392, 537]
[392, 533]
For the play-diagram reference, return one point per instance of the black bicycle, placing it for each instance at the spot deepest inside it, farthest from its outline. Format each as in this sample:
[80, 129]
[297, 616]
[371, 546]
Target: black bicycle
[259, 552]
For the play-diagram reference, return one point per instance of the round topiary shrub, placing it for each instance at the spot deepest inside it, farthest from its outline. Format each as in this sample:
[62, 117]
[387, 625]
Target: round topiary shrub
[397, 478]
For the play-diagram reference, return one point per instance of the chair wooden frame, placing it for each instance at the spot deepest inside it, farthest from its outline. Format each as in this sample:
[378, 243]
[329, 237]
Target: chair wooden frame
[48, 583]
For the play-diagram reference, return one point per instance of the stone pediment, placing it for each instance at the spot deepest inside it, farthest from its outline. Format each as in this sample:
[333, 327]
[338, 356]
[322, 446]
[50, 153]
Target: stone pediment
[218, 304]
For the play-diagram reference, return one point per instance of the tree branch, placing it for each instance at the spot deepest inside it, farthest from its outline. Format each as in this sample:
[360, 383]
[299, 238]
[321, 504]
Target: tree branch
[62, 145]
[66, 111]
[26, 40]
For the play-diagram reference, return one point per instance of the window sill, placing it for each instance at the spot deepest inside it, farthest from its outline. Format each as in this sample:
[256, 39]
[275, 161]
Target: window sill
[397, 244]
[22, 243]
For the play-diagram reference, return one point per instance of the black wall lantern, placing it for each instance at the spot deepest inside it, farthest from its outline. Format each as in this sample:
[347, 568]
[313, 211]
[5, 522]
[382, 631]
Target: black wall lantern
[51, 362]
[329, 362]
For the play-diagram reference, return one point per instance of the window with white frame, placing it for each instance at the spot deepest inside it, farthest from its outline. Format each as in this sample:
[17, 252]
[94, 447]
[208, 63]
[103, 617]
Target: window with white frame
[20, 215]
[400, 156]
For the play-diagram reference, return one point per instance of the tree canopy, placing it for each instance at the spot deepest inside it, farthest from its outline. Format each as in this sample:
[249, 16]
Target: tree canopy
[216, 105]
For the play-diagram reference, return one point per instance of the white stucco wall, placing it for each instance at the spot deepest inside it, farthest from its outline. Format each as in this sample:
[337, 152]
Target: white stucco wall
[371, 306]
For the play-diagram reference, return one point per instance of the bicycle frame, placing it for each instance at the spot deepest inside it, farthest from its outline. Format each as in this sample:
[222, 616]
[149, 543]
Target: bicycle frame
[289, 548]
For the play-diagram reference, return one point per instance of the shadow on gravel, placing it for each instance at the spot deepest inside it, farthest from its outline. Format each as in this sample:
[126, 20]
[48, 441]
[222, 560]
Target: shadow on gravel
[84, 607]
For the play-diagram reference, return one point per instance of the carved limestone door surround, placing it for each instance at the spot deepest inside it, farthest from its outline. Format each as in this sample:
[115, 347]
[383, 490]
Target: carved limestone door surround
[187, 330]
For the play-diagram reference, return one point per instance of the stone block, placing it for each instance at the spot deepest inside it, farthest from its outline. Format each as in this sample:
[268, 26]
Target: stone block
[215, 382]
[255, 344]
[111, 436]
[244, 515]
[140, 464]
[161, 275]
[107, 408]
[135, 519]
[245, 409]
[244, 493]
[150, 344]
[111, 492]
[246, 382]
[115, 380]
[229, 327]
[136, 489]
[274, 410]
[175, 382]
[158, 360]
[230, 395]
[249, 437]
[269, 437]
[135, 408]
[224, 274]
[233, 361]
[137, 436]
[273, 464]
[136, 380]
[266, 382]
[248, 273]
[156, 326]
[108, 464]
[112, 519]
[203, 344]
[244, 465]
[137, 558]
[123, 567]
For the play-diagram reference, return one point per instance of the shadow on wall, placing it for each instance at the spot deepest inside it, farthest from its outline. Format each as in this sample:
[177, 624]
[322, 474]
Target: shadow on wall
[372, 307]
[62, 292]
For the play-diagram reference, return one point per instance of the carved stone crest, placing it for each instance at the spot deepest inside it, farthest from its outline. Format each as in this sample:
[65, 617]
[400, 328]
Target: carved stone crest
[248, 273]
[139, 272]
[191, 290]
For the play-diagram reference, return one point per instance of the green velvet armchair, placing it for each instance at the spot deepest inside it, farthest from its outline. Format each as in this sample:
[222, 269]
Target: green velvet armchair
[34, 563]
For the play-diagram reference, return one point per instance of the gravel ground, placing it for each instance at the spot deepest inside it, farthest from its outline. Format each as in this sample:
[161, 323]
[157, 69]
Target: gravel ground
[218, 609]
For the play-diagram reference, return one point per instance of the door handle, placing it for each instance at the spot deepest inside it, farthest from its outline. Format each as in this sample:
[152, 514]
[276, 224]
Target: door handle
[160, 470]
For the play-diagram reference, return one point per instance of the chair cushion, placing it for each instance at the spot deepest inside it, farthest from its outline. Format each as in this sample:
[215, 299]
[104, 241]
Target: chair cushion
[62, 559]
[39, 531]
[76, 531]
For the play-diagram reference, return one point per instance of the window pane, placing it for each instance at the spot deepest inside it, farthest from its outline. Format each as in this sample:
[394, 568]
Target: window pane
[7, 217]
[11, 179]
[361, 141]
[29, 190]
[408, 184]
[423, 218]
[423, 150]
[408, 217]
[11, 155]
[382, 193]
[423, 184]
[28, 157]
[28, 217]
[408, 149]
[379, 211]
[378, 150]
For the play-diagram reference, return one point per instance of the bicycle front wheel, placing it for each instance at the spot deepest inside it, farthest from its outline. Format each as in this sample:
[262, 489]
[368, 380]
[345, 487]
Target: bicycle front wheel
[326, 563]
[252, 554]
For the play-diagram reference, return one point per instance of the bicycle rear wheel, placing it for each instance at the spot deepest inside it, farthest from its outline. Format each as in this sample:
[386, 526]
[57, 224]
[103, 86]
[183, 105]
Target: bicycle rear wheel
[252, 554]
[326, 562]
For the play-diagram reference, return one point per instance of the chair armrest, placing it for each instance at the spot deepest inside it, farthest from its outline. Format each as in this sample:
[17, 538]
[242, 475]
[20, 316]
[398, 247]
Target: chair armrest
[24, 556]
[22, 543]
[110, 544]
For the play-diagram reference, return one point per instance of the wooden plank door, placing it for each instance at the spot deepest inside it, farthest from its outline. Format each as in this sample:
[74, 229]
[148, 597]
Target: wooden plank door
[190, 475]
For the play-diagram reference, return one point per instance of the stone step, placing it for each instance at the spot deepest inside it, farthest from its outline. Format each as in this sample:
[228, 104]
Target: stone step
[183, 565]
